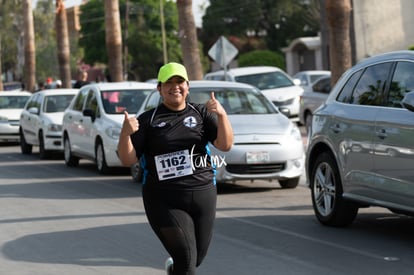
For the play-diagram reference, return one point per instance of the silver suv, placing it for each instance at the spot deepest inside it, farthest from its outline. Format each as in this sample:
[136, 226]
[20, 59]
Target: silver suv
[361, 146]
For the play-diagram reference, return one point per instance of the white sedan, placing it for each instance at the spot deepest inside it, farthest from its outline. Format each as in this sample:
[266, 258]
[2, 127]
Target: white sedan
[41, 121]
[267, 145]
[11, 105]
[92, 122]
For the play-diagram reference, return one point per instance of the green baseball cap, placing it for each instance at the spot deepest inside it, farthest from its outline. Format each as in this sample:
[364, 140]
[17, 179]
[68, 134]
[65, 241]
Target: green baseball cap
[172, 69]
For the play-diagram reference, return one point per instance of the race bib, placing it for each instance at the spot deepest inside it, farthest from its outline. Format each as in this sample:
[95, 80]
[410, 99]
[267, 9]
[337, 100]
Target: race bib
[173, 165]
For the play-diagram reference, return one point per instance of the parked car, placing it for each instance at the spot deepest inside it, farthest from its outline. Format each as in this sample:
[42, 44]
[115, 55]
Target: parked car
[361, 146]
[93, 120]
[313, 97]
[11, 105]
[307, 78]
[273, 82]
[41, 121]
[267, 145]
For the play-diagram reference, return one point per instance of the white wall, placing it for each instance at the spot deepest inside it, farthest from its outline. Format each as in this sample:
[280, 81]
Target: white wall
[382, 26]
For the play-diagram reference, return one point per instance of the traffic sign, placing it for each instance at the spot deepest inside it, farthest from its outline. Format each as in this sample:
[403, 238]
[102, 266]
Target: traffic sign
[223, 52]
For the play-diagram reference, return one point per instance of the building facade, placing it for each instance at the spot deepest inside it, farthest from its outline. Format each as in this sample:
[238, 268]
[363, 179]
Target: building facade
[377, 26]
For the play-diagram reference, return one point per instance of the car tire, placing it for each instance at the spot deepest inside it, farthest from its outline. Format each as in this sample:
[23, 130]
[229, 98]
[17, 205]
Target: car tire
[100, 159]
[70, 160]
[289, 183]
[43, 153]
[136, 172]
[25, 147]
[330, 207]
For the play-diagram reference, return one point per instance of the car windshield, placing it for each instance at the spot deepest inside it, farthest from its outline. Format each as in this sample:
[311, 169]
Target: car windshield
[118, 101]
[13, 102]
[234, 101]
[56, 103]
[264, 81]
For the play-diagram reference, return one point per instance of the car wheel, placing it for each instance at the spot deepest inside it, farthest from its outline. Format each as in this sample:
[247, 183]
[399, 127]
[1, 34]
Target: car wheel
[70, 160]
[100, 159]
[136, 172]
[308, 122]
[25, 147]
[289, 183]
[326, 190]
[43, 153]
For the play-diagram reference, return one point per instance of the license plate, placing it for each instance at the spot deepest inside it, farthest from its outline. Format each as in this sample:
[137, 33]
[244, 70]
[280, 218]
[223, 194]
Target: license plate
[257, 157]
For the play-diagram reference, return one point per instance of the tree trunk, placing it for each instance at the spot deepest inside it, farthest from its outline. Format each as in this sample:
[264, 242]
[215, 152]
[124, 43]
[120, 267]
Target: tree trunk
[63, 48]
[340, 55]
[188, 39]
[29, 47]
[113, 40]
[1, 64]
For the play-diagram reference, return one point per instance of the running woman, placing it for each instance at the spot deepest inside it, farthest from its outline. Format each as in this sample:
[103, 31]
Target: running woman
[179, 197]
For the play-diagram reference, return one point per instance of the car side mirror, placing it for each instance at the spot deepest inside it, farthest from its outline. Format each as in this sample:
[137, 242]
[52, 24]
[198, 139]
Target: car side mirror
[33, 110]
[284, 111]
[90, 113]
[408, 101]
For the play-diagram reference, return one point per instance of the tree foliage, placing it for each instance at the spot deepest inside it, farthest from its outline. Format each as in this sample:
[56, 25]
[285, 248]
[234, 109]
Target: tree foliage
[144, 35]
[262, 58]
[46, 48]
[11, 37]
[276, 22]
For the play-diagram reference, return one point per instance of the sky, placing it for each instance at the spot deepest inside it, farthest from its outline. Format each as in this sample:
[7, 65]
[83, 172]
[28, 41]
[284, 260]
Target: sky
[196, 8]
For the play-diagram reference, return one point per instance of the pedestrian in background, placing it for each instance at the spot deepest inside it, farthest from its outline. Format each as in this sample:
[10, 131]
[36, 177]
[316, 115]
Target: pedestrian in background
[179, 197]
[82, 80]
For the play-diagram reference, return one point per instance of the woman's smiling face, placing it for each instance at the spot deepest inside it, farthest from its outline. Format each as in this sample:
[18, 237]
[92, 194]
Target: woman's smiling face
[174, 92]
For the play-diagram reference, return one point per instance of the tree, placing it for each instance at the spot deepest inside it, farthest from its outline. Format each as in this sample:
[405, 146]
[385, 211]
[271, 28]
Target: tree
[144, 42]
[338, 15]
[1, 71]
[1, 64]
[47, 64]
[29, 48]
[188, 38]
[62, 38]
[260, 24]
[8, 31]
[113, 39]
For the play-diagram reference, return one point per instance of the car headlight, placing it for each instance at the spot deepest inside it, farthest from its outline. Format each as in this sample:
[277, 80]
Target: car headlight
[295, 133]
[113, 132]
[54, 127]
[3, 119]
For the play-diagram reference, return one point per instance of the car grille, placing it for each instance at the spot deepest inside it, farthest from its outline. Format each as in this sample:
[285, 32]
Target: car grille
[255, 168]
[283, 103]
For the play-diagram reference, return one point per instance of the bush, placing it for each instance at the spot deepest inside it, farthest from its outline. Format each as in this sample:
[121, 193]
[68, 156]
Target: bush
[261, 58]
[411, 48]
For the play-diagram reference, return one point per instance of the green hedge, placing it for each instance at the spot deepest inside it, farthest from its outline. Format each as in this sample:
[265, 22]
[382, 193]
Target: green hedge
[262, 58]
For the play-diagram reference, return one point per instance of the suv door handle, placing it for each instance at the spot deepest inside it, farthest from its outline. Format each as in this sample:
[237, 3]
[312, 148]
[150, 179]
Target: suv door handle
[382, 133]
[335, 128]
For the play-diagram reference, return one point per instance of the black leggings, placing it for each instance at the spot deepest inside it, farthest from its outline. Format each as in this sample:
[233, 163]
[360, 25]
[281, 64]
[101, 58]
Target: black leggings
[183, 221]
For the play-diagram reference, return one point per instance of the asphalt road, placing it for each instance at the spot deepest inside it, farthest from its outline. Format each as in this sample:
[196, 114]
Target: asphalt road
[60, 220]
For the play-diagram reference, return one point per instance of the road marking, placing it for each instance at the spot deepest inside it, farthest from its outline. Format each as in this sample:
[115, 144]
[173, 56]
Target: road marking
[301, 236]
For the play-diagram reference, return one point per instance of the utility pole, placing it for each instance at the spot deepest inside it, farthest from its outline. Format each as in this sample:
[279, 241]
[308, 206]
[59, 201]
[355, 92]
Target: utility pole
[164, 42]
